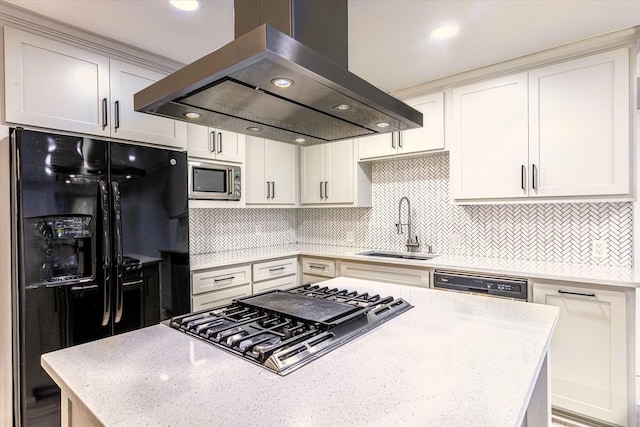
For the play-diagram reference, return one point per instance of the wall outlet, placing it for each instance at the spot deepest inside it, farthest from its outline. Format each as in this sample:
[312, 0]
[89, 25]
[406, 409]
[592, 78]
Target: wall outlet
[599, 249]
[258, 229]
[349, 237]
[455, 241]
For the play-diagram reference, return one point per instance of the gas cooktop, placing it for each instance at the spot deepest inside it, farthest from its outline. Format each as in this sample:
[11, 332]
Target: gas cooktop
[283, 330]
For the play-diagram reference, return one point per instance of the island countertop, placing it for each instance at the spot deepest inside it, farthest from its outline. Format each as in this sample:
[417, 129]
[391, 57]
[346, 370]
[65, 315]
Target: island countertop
[454, 360]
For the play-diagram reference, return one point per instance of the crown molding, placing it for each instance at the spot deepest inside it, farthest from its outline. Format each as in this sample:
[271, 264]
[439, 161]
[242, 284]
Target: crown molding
[627, 37]
[17, 17]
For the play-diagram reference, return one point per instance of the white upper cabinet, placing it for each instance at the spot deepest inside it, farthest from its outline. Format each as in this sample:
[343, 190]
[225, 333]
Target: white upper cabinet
[126, 123]
[579, 126]
[330, 175]
[58, 86]
[270, 172]
[489, 137]
[427, 138]
[556, 132]
[215, 144]
[54, 85]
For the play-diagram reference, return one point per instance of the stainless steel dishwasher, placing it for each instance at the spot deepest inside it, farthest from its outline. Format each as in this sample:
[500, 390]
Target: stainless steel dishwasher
[486, 285]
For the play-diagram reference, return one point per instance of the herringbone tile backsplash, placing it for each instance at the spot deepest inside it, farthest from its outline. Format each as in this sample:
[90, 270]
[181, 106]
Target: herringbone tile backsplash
[542, 232]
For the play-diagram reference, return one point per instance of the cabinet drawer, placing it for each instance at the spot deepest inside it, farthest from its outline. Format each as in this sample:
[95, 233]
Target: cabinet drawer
[310, 280]
[384, 273]
[218, 298]
[271, 269]
[212, 280]
[279, 283]
[319, 267]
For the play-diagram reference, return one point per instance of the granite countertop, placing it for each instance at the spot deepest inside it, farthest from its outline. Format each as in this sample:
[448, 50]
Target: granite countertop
[452, 360]
[581, 273]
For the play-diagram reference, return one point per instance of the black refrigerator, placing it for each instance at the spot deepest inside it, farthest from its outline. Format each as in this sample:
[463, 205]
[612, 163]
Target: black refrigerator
[93, 220]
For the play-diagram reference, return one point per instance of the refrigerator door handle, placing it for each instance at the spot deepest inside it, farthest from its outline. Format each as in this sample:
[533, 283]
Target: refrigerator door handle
[117, 221]
[106, 251]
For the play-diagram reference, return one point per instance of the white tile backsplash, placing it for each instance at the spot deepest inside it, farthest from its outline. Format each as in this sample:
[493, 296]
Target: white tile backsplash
[541, 232]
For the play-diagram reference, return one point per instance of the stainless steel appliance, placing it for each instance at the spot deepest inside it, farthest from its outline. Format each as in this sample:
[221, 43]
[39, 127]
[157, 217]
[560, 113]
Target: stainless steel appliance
[286, 80]
[209, 180]
[503, 287]
[85, 212]
[283, 330]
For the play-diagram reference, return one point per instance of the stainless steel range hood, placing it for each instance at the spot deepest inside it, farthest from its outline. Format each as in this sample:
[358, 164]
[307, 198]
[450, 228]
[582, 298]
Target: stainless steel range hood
[234, 88]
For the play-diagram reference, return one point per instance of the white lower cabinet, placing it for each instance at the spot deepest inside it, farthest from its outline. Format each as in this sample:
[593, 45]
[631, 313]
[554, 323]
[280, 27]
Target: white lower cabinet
[316, 270]
[281, 283]
[386, 273]
[219, 286]
[220, 297]
[590, 374]
[274, 269]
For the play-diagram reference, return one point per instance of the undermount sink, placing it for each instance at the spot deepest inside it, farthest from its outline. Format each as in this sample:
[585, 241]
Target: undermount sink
[399, 255]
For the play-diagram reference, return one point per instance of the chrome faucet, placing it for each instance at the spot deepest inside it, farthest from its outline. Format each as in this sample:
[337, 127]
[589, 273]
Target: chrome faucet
[412, 241]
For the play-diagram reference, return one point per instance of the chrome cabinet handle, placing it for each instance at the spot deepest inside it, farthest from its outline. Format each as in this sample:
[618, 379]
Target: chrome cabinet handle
[212, 141]
[268, 190]
[534, 172]
[326, 189]
[117, 113]
[317, 267]
[576, 293]
[224, 279]
[399, 140]
[321, 194]
[276, 269]
[104, 113]
[522, 176]
[219, 142]
[273, 190]
[393, 140]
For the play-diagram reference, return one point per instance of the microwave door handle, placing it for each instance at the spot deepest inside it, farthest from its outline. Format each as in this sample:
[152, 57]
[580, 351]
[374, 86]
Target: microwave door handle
[229, 181]
[106, 254]
[117, 211]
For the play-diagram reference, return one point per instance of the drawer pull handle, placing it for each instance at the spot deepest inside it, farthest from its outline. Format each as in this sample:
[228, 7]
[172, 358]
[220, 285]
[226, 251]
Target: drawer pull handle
[317, 267]
[224, 279]
[276, 269]
[577, 293]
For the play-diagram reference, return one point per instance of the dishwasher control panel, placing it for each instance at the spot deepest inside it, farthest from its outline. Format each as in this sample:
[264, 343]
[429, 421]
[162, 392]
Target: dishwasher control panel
[463, 282]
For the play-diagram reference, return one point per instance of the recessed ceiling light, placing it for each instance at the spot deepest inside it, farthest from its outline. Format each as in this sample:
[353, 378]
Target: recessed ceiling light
[191, 115]
[188, 5]
[382, 124]
[342, 107]
[254, 128]
[282, 82]
[444, 32]
[300, 140]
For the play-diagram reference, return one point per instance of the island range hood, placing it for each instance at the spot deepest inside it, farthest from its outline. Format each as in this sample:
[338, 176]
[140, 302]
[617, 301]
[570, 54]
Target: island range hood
[272, 85]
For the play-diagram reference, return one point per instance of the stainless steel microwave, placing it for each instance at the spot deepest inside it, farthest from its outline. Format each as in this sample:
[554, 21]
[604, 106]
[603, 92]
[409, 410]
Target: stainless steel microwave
[214, 181]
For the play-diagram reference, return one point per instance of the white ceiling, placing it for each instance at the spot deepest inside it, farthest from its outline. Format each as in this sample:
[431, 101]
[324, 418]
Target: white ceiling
[388, 43]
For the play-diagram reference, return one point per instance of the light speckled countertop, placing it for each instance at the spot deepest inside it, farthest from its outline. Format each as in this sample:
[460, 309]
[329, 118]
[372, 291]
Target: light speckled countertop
[581, 273]
[452, 360]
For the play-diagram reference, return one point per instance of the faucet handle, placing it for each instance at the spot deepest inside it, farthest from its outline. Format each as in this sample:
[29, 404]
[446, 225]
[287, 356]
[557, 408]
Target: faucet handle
[399, 228]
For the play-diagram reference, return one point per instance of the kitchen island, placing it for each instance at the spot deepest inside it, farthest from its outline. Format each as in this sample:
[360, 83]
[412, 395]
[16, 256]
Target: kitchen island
[453, 359]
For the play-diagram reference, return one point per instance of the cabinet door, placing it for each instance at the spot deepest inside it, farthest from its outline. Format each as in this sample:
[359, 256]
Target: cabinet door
[377, 146]
[431, 135]
[54, 85]
[126, 123]
[229, 145]
[490, 141]
[200, 141]
[339, 169]
[281, 167]
[579, 125]
[255, 180]
[588, 351]
[312, 174]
